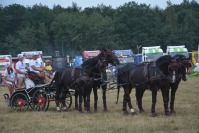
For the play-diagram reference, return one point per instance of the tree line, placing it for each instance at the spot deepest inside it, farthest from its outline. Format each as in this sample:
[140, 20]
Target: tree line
[72, 30]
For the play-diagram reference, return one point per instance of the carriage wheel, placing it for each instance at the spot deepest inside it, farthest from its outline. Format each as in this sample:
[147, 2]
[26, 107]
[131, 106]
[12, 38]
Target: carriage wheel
[68, 100]
[40, 100]
[19, 102]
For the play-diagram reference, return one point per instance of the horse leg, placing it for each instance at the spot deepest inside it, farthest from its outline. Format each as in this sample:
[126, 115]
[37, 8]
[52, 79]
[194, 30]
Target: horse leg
[95, 98]
[124, 104]
[128, 99]
[85, 99]
[139, 95]
[104, 97]
[63, 99]
[80, 100]
[173, 92]
[57, 94]
[165, 95]
[76, 99]
[88, 99]
[154, 100]
[118, 92]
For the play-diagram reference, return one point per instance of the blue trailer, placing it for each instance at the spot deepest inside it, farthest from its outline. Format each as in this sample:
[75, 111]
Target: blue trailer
[124, 56]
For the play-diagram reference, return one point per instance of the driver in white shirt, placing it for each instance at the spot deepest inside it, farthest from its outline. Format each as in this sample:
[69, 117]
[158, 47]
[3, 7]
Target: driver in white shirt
[35, 66]
[21, 70]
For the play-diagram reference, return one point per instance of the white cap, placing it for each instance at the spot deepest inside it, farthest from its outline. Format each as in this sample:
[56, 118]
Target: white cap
[7, 64]
[20, 56]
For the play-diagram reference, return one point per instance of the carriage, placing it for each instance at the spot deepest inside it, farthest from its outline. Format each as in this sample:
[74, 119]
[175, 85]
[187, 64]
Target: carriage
[37, 95]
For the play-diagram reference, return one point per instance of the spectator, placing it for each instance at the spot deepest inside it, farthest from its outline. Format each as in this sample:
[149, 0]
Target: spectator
[49, 69]
[10, 77]
[21, 71]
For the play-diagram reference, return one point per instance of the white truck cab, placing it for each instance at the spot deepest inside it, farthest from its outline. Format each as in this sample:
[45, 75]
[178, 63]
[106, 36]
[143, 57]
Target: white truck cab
[4, 59]
[174, 50]
[151, 53]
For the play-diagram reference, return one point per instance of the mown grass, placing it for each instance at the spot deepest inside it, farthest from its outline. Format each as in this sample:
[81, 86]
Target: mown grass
[185, 121]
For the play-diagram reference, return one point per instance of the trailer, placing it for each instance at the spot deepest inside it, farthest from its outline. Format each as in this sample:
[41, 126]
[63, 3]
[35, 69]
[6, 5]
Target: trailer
[174, 50]
[151, 53]
[89, 54]
[124, 56]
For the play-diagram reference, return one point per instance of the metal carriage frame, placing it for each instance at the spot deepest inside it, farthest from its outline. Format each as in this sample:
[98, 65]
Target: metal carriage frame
[38, 98]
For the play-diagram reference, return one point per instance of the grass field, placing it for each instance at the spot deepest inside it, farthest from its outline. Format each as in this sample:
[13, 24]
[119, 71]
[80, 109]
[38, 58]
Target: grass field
[186, 119]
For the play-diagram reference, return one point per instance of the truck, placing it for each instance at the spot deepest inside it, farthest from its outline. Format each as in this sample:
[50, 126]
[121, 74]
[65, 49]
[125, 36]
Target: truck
[174, 50]
[4, 59]
[151, 53]
[124, 56]
[89, 54]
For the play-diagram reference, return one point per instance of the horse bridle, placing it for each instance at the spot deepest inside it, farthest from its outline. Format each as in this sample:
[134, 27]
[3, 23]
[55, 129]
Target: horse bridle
[173, 70]
[184, 65]
[111, 54]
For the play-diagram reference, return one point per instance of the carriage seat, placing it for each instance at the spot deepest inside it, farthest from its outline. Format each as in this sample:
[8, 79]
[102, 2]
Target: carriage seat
[35, 78]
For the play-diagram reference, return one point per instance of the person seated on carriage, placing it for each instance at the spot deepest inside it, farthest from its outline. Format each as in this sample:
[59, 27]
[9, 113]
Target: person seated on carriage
[21, 70]
[10, 77]
[38, 68]
[49, 69]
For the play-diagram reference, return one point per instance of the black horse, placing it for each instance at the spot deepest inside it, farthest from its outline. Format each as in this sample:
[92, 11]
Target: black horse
[80, 78]
[152, 75]
[100, 79]
[181, 75]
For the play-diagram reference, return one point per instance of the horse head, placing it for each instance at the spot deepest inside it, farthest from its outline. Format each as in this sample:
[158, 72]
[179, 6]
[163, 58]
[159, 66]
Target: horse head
[109, 57]
[169, 66]
[185, 65]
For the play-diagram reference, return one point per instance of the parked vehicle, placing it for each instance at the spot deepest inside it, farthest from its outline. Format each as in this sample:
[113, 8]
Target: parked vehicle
[4, 59]
[89, 54]
[174, 50]
[151, 53]
[124, 56]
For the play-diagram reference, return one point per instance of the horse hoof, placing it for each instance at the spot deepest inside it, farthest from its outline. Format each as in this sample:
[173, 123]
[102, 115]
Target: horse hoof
[58, 110]
[81, 111]
[125, 112]
[167, 113]
[141, 110]
[154, 114]
[133, 113]
[105, 110]
[172, 112]
[88, 111]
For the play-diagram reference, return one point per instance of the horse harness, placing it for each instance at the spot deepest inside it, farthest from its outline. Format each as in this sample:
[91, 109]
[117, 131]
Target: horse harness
[157, 73]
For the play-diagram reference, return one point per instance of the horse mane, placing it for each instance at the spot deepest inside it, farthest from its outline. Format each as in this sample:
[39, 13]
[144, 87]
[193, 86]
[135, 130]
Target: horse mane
[163, 60]
[90, 62]
[179, 57]
[93, 61]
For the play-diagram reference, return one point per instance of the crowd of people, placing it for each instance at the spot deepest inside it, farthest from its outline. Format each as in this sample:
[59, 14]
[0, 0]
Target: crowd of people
[15, 78]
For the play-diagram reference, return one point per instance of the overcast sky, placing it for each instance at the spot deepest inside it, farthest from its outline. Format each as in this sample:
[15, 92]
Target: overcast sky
[88, 3]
